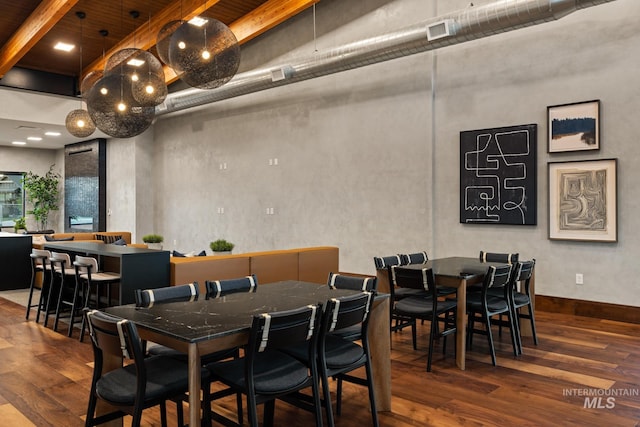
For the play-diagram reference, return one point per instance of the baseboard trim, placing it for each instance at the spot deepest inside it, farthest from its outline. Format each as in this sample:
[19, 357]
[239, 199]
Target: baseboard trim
[600, 310]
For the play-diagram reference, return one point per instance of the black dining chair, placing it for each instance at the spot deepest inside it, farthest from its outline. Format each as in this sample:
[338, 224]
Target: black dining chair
[145, 383]
[187, 292]
[341, 281]
[148, 297]
[63, 274]
[356, 283]
[88, 275]
[521, 297]
[492, 300]
[338, 357]
[421, 258]
[428, 307]
[509, 258]
[40, 267]
[266, 373]
[398, 321]
[414, 258]
[219, 288]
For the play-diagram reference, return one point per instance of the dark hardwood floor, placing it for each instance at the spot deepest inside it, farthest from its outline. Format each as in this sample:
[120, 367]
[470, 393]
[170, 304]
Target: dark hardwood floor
[45, 379]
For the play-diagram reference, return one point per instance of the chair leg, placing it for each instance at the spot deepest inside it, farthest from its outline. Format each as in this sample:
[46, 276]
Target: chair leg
[269, 412]
[31, 287]
[326, 396]
[252, 411]
[57, 318]
[74, 308]
[86, 305]
[470, 326]
[490, 339]
[515, 315]
[414, 334]
[514, 332]
[372, 396]
[432, 338]
[43, 291]
[163, 414]
[50, 294]
[533, 324]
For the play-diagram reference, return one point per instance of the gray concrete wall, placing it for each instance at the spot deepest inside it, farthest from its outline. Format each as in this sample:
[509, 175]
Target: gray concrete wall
[368, 159]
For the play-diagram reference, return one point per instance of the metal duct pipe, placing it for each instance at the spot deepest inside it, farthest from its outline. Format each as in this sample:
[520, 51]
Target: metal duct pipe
[446, 30]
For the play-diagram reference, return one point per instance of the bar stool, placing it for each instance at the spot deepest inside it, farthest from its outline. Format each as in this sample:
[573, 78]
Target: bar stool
[39, 264]
[68, 294]
[87, 274]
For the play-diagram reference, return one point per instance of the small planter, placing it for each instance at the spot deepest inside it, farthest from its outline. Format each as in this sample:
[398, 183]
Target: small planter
[221, 247]
[222, 252]
[153, 241]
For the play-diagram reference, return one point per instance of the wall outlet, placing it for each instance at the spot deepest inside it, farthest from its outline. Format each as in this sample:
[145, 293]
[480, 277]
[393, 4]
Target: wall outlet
[579, 279]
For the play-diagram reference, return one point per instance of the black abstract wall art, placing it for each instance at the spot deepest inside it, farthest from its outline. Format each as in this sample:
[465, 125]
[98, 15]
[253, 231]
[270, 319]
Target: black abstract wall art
[498, 175]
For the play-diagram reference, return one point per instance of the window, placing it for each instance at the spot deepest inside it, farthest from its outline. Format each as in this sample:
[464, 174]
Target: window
[11, 198]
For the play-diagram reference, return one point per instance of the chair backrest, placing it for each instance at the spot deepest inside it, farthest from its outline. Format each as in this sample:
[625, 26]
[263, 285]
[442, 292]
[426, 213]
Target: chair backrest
[60, 260]
[522, 272]
[498, 257]
[343, 312]
[113, 336]
[340, 281]
[218, 288]
[384, 262]
[275, 330]
[148, 297]
[40, 257]
[497, 277]
[414, 258]
[422, 279]
[85, 264]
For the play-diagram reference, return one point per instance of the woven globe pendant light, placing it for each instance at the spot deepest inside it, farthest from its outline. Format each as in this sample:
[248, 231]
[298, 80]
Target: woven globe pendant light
[144, 72]
[163, 40]
[114, 110]
[79, 123]
[204, 55]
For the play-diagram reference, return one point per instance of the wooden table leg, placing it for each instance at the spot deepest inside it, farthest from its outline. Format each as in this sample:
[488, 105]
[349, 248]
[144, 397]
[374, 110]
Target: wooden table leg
[461, 325]
[380, 347]
[194, 385]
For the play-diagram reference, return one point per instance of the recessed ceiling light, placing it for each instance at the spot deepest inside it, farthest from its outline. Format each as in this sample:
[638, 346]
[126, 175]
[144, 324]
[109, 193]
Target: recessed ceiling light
[135, 62]
[52, 133]
[34, 138]
[64, 46]
[19, 143]
[198, 21]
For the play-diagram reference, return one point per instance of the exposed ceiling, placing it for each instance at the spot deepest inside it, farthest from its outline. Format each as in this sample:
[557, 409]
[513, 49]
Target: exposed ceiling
[30, 28]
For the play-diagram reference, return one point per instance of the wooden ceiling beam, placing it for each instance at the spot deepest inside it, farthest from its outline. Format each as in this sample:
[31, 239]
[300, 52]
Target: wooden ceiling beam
[258, 21]
[43, 18]
[144, 37]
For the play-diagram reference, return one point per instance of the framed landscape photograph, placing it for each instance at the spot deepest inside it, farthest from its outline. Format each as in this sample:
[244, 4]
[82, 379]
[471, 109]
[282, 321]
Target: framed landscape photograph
[583, 200]
[573, 127]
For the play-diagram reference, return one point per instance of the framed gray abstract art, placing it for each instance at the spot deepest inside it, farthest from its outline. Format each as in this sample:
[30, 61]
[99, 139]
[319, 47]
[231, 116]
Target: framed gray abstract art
[498, 175]
[583, 200]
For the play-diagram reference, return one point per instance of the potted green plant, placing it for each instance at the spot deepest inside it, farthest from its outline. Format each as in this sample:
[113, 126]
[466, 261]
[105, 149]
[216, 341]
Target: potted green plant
[221, 246]
[19, 224]
[43, 192]
[153, 240]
